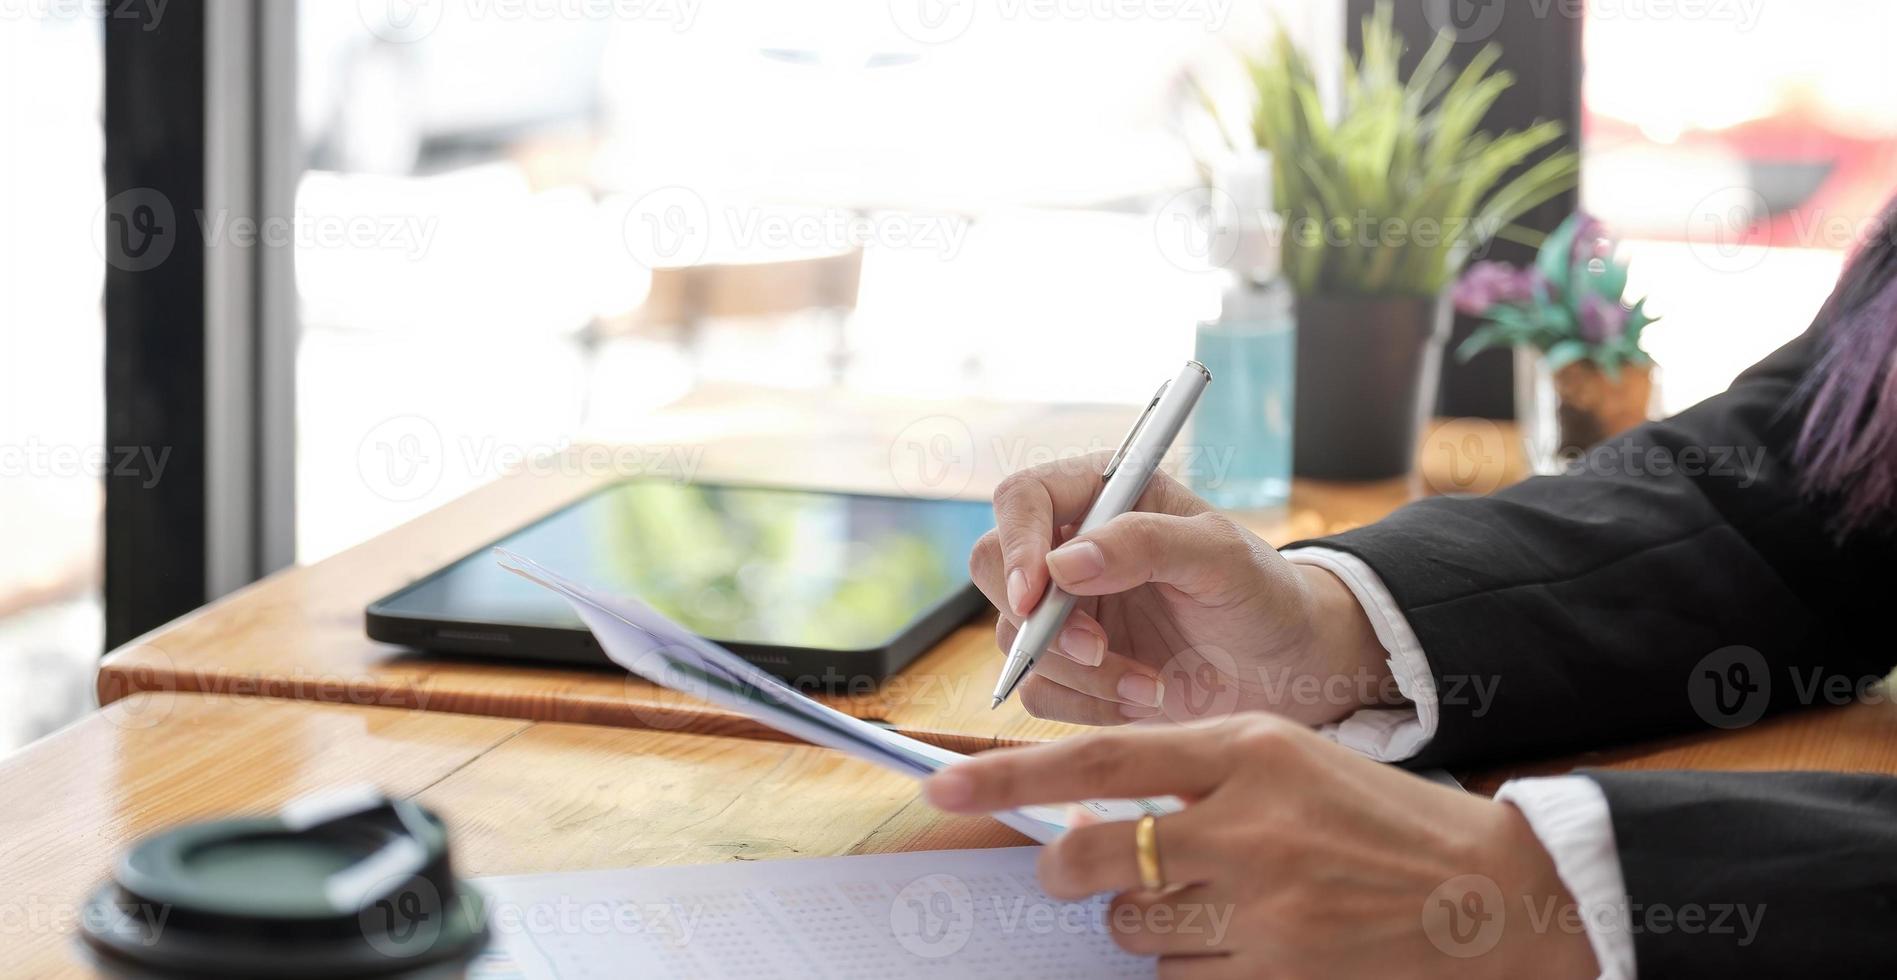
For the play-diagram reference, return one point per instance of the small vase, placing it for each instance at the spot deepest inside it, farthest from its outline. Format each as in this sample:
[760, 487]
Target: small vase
[1565, 413]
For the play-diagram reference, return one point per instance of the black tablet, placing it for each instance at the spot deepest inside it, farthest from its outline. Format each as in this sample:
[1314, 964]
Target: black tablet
[823, 589]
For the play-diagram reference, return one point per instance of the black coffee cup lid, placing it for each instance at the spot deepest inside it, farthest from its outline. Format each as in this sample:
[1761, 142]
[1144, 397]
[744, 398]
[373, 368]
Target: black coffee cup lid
[342, 885]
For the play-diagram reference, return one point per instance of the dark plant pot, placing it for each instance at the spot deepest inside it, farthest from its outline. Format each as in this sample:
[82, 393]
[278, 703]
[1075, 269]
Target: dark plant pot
[1367, 373]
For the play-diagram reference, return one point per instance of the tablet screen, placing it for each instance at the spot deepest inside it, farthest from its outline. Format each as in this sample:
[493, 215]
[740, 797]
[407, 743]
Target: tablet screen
[735, 564]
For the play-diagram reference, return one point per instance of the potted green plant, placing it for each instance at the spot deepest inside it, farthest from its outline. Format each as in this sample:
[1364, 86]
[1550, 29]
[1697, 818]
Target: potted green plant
[1382, 202]
[1580, 360]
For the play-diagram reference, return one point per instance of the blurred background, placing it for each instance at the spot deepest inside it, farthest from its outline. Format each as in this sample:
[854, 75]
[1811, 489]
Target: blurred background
[523, 225]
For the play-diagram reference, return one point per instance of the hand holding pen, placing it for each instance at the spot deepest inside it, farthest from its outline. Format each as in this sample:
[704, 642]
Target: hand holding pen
[1176, 606]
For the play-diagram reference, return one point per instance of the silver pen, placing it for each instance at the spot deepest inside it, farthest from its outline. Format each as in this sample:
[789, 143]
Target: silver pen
[1124, 479]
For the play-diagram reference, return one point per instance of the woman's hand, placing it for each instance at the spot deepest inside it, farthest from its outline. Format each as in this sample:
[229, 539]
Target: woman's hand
[1181, 611]
[1295, 857]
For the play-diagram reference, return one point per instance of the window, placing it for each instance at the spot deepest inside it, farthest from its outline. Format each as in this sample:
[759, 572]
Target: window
[51, 366]
[1740, 149]
[529, 223]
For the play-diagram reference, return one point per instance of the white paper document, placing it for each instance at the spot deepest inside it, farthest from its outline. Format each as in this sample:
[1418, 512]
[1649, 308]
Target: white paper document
[642, 640]
[945, 914]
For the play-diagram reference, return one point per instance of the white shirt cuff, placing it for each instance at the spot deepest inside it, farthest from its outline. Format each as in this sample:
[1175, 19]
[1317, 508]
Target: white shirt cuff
[1570, 817]
[1383, 734]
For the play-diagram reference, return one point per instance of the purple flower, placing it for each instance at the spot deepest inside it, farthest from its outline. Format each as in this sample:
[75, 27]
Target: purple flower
[1489, 283]
[1602, 319]
[1591, 241]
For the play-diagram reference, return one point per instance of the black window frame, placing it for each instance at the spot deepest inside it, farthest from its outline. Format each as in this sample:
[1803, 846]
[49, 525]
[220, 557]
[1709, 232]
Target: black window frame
[200, 330]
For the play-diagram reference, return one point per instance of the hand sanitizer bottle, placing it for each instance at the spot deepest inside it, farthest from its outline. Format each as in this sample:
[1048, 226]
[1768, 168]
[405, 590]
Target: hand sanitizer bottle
[1242, 429]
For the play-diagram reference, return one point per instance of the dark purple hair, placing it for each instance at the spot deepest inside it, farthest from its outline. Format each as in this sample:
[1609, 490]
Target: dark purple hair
[1848, 446]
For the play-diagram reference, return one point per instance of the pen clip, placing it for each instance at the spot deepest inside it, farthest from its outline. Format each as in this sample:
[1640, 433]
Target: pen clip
[1133, 433]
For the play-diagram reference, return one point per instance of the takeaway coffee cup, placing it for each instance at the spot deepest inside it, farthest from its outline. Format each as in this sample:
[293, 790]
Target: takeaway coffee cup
[350, 884]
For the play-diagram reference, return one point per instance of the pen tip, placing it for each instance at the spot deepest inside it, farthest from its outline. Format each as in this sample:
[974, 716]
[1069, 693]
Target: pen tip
[994, 704]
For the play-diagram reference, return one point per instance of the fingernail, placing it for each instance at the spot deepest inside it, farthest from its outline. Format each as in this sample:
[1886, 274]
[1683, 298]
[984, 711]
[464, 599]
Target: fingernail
[1018, 592]
[1141, 689]
[1138, 712]
[949, 789]
[1083, 646]
[1077, 561]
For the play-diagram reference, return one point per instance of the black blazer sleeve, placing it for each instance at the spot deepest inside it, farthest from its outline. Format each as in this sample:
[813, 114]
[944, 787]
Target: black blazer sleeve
[1680, 578]
[1757, 874]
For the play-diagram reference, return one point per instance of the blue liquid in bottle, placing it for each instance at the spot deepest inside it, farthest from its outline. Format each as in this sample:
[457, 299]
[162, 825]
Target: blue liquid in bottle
[1241, 444]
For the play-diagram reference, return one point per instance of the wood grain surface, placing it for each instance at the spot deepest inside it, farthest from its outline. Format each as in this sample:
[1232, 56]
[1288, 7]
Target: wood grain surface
[299, 634]
[519, 797]
[1859, 737]
[525, 797]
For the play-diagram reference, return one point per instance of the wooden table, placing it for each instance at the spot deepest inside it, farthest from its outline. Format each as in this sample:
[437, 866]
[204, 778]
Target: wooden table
[518, 796]
[299, 634]
[1859, 737]
[528, 793]
[524, 797]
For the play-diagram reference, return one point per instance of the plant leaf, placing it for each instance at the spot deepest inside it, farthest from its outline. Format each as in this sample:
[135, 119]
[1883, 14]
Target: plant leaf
[1565, 353]
[1480, 339]
[1403, 155]
[1552, 260]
